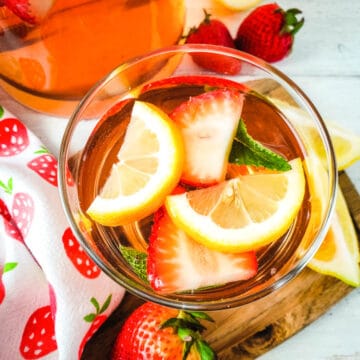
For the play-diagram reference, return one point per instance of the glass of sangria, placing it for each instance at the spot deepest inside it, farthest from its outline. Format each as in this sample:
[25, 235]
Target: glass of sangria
[198, 177]
[52, 52]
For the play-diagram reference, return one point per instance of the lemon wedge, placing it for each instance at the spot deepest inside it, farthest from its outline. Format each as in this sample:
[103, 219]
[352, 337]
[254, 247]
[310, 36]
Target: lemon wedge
[243, 213]
[338, 255]
[149, 166]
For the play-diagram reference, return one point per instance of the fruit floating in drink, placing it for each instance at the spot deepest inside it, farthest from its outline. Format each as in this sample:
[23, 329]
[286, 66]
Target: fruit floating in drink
[52, 52]
[199, 183]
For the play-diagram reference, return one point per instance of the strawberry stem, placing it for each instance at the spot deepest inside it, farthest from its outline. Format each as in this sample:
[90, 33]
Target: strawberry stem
[194, 29]
[291, 23]
[189, 329]
[206, 17]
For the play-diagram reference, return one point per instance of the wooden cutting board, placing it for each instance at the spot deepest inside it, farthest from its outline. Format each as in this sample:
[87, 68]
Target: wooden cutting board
[251, 330]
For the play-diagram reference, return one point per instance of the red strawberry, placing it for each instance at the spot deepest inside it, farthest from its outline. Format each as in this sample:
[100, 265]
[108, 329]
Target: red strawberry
[96, 319]
[79, 258]
[208, 123]
[46, 166]
[268, 32]
[31, 11]
[38, 338]
[178, 263]
[154, 332]
[214, 32]
[13, 137]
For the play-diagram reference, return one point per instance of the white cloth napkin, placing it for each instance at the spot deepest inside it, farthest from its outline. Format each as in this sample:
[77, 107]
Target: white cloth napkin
[52, 296]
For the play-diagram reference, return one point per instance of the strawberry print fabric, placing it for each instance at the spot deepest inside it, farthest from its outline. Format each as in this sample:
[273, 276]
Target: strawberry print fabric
[53, 297]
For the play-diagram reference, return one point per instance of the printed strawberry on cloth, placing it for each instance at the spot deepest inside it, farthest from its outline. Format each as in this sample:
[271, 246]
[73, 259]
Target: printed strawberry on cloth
[52, 295]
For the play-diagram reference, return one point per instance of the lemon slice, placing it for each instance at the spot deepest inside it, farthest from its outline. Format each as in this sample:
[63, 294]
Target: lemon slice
[243, 213]
[239, 4]
[346, 143]
[149, 166]
[338, 255]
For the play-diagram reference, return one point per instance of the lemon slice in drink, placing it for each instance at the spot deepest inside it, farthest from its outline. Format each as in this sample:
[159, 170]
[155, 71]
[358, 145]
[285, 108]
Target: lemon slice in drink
[338, 255]
[149, 166]
[241, 214]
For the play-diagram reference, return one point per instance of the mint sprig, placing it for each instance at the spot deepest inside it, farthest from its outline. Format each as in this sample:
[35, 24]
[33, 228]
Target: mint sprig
[137, 261]
[247, 151]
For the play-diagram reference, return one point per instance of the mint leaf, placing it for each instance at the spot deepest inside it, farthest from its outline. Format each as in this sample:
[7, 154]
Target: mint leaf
[137, 260]
[247, 151]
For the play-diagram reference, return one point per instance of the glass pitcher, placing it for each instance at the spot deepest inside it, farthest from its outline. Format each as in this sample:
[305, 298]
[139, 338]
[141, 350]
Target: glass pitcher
[49, 61]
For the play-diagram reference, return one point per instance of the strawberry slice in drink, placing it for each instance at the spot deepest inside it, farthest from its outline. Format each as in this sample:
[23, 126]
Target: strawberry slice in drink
[178, 263]
[208, 123]
[30, 11]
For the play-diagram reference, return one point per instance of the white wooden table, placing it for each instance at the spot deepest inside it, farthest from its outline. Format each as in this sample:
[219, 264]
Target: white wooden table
[325, 62]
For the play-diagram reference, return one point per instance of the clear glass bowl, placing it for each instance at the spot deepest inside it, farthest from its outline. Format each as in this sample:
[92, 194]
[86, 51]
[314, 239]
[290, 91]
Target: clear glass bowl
[279, 262]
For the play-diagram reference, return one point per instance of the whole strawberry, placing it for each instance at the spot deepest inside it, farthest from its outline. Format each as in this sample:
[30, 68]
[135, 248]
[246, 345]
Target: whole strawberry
[210, 31]
[157, 332]
[268, 32]
[213, 32]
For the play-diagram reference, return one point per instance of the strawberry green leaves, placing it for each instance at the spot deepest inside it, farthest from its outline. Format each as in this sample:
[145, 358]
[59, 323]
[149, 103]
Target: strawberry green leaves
[247, 151]
[188, 327]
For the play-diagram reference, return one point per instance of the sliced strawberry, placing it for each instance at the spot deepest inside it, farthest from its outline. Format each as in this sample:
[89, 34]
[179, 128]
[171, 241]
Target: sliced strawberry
[13, 137]
[208, 123]
[31, 11]
[178, 263]
[79, 258]
[38, 338]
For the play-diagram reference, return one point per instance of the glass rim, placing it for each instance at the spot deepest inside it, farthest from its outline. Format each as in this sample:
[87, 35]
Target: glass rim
[231, 302]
